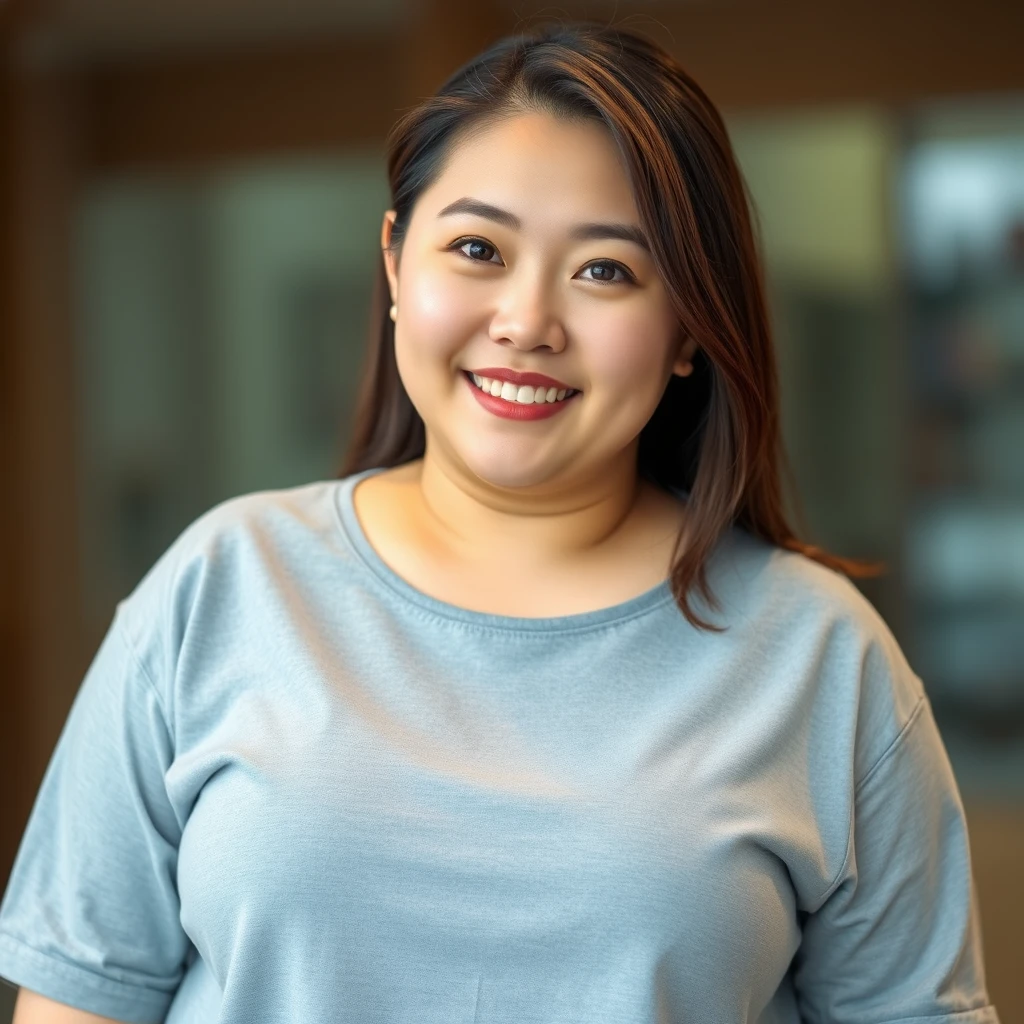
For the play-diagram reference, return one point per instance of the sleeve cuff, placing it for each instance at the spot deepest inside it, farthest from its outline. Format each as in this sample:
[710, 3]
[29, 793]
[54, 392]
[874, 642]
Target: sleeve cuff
[57, 979]
[982, 1015]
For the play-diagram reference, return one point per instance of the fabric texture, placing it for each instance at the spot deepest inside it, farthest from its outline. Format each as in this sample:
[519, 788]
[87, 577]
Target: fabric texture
[292, 787]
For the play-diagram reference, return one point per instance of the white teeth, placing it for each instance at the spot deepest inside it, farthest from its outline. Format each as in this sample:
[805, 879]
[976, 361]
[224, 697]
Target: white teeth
[525, 395]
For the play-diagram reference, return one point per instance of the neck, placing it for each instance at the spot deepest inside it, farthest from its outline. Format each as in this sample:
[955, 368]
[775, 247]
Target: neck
[568, 520]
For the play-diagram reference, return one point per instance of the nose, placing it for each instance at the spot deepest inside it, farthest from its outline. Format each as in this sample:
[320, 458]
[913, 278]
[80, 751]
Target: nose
[528, 315]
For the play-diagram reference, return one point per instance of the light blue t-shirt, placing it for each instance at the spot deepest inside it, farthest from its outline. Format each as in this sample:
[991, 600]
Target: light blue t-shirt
[294, 788]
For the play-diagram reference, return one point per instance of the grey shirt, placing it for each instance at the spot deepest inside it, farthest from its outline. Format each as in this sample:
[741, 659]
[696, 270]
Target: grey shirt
[292, 787]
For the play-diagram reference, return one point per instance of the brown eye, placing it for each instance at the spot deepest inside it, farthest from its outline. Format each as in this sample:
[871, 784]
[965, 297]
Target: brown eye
[478, 249]
[608, 269]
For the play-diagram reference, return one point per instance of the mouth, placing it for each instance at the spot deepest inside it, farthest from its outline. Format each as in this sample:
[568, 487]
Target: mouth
[508, 405]
[531, 394]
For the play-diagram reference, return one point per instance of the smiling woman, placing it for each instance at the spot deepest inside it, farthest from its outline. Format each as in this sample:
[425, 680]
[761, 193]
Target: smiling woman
[556, 287]
[451, 738]
[570, 204]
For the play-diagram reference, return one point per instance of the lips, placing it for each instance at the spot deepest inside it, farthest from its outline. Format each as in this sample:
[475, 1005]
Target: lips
[536, 380]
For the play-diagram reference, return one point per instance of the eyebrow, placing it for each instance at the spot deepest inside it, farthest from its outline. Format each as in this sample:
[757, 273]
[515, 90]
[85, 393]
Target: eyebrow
[579, 232]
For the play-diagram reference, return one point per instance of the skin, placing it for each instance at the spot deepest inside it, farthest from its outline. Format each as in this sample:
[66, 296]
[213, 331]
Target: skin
[550, 516]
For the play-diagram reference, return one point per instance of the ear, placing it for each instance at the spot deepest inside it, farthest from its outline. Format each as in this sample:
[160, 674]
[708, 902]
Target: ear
[389, 256]
[683, 365]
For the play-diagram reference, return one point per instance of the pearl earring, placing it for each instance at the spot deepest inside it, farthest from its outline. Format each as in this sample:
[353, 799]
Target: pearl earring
[394, 312]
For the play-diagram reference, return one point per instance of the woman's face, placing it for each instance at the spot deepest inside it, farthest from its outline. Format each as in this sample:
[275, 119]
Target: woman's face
[525, 290]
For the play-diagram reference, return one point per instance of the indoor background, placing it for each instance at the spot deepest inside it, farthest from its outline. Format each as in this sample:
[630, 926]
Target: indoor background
[190, 205]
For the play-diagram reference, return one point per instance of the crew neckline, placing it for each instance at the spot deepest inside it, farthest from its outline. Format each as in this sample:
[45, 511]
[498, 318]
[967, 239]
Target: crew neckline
[652, 599]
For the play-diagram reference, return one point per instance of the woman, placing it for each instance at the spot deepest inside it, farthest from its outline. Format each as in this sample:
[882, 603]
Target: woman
[540, 712]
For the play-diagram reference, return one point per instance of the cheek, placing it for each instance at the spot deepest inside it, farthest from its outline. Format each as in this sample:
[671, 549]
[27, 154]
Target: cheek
[441, 310]
[628, 349]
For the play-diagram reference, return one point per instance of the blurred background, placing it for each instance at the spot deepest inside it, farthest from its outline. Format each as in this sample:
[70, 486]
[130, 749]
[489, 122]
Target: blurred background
[190, 205]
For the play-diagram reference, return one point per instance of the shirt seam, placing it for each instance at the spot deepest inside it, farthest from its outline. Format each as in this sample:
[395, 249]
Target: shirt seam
[460, 625]
[886, 755]
[122, 632]
[834, 884]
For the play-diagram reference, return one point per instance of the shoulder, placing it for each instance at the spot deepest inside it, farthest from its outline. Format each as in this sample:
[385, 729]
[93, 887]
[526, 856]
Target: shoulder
[797, 616]
[237, 539]
[760, 580]
[240, 524]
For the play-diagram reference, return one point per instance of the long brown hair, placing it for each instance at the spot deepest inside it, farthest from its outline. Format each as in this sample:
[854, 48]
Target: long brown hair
[715, 433]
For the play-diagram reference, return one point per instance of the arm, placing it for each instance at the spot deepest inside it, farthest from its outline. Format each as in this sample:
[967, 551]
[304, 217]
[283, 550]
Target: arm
[32, 1008]
[91, 915]
[898, 937]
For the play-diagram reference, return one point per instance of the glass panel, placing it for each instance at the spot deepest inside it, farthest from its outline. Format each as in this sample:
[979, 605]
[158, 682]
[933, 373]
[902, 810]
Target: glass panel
[820, 183]
[963, 242]
[221, 326]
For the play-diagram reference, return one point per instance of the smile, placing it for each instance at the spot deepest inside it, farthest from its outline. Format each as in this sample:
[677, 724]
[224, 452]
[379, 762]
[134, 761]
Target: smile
[523, 394]
[519, 403]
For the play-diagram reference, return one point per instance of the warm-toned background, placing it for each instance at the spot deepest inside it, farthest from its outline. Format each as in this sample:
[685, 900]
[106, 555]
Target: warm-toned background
[153, 154]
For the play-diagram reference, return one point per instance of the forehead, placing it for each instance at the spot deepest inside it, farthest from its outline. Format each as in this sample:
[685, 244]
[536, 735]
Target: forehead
[540, 166]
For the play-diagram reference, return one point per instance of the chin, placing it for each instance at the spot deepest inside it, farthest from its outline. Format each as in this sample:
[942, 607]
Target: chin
[505, 471]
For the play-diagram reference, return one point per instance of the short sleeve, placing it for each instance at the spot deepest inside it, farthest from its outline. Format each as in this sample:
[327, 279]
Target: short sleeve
[91, 916]
[898, 937]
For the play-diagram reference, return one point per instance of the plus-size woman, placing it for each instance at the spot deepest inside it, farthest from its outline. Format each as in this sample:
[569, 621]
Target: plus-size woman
[539, 713]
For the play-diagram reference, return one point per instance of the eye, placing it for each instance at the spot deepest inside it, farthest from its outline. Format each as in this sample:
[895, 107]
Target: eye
[627, 277]
[478, 243]
[474, 243]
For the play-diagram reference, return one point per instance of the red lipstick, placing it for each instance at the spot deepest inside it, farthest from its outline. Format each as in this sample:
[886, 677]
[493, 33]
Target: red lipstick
[516, 410]
[536, 380]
